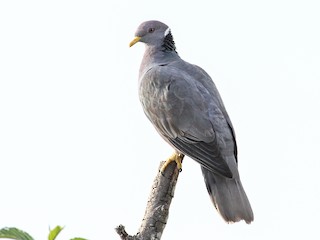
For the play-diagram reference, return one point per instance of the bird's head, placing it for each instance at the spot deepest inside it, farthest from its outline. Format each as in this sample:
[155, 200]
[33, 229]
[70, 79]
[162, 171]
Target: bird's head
[155, 34]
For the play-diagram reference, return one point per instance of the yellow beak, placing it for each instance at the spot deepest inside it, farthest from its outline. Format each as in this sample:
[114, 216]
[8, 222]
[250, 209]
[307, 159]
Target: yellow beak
[134, 41]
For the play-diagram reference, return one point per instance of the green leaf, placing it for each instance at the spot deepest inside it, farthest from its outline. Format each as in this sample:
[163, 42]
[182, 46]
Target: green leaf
[54, 232]
[14, 233]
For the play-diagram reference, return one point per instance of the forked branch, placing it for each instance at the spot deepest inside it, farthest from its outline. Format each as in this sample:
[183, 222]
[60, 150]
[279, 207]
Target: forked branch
[157, 210]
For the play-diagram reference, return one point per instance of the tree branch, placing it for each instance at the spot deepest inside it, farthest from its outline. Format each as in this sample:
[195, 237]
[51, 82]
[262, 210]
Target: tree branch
[157, 210]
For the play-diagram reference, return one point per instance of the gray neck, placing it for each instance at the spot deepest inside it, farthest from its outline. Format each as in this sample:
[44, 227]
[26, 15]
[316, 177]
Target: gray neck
[155, 56]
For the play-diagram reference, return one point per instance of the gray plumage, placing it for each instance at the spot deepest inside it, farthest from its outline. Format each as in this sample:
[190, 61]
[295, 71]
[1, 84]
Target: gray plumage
[184, 105]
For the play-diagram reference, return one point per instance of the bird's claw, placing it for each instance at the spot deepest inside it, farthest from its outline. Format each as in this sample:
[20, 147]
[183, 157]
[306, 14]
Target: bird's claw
[177, 158]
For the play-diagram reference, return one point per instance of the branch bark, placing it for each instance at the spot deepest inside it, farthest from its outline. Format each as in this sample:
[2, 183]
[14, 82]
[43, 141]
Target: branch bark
[157, 210]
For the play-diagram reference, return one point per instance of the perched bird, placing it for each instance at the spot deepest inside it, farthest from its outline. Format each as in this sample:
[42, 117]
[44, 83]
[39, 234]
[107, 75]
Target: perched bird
[184, 105]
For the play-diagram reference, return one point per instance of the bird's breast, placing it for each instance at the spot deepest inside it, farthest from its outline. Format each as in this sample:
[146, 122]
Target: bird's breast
[154, 98]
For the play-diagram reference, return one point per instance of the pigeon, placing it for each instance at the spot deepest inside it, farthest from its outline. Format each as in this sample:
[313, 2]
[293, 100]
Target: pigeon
[183, 104]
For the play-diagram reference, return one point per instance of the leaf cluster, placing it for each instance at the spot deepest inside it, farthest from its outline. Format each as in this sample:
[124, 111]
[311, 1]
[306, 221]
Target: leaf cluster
[17, 234]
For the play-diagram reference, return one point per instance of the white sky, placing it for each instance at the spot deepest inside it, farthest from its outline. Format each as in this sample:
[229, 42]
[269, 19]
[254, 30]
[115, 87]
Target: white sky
[76, 149]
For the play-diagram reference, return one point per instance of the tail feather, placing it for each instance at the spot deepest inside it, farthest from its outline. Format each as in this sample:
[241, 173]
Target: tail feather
[228, 197]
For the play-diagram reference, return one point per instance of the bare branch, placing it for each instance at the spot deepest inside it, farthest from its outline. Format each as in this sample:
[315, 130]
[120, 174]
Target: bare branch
[157, 210]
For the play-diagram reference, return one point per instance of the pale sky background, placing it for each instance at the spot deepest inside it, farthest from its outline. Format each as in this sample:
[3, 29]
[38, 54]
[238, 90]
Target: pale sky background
[76, 149]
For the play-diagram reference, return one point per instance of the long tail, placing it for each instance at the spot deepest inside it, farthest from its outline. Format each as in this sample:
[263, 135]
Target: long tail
[228, 196]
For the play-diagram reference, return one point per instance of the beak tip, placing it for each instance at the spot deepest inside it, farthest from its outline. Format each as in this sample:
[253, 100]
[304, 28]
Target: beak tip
[134, 41]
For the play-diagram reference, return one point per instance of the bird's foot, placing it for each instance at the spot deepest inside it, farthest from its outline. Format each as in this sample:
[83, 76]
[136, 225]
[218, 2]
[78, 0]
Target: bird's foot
[176, 157]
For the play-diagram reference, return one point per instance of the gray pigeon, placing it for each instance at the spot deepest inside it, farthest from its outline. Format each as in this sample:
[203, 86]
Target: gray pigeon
[184, 105]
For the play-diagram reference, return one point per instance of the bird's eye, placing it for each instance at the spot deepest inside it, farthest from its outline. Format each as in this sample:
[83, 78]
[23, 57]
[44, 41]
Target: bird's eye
[151, 30]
